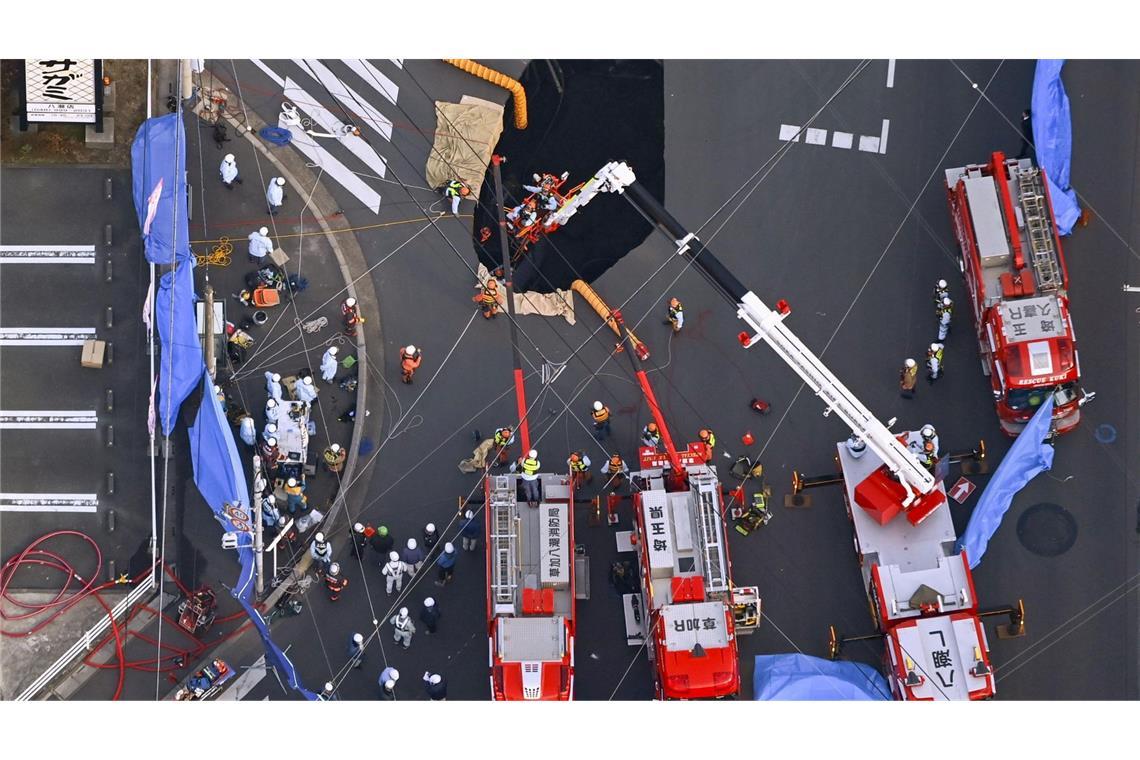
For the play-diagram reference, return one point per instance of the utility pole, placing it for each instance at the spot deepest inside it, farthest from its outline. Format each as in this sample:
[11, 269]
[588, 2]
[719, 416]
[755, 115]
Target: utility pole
[208, 321]
[258, 534]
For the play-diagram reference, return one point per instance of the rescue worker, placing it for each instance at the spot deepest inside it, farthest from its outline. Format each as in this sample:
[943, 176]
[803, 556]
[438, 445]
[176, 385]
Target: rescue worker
[220, 395]
[523, 215]
[934, 362]
[579, 465]
[404, 628]
[601, 416]
[305, 390]
[356, 649]
[856, 446]
[504, 437]
[328, 365]
[413, 557]
[941, 290]
[429, 615]
[229, 171]
[273, 385]
[532, 489]
[270, 514]
[382, 542]
[272, 411]
[359, 540]
[350, 314]
[708, 438]
[269, 431]
[410, 360]
[650, 435]
[455, 191]
[334, 458]
[908, 378]
[544, 189]
[616, 470]
[247, 430]
[321, 550]
[435, 686]
[296, 495]
[929, 435]
[446, 563]
[389, 675]
[676, 315]
[488, 299]
[469, 532]
[945, 311]
[334, 581]
[275, 195]
[388, 691]
[260, 245]
[269, 454]
[393, 571]
[430, 537]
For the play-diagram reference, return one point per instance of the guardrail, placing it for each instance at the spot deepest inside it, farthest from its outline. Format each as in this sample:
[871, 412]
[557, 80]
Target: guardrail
[88, 639]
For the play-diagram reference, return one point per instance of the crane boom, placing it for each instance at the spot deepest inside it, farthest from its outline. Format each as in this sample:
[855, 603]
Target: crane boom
[764, 322]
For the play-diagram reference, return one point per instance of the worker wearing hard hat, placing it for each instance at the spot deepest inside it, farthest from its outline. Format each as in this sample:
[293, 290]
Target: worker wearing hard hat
[908, 378]
[650, 435]
[934, 362]
[229, 171]
[305, 389]
[469, 532]
[403, 627]
[273, 385]
[321, 550]
[334, 457]
[616, 471]
[350, 313]
[359, 535]
[601, 416]
[708, 440]
[455, 191]
[429, 615]
[504, 437]
[944, 312]
[413, 556]
[296, 495]
[356, 649]
[523, 215]
[941, 290]
[272, 411]
[676, 315]
[529, 466]
[328, 365]
[579, 465]
[393, 571]
[334, 581]
[410, 360]
[436, 686]
[260, 245]
[388, 678]
[275, 195]
[488, 298]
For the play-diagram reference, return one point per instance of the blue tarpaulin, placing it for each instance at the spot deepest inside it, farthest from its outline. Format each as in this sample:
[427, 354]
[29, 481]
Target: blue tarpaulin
[182, 361]
[158, 175]
[1053, 139]
[220, 478]
[798, 677]
[1027, 457]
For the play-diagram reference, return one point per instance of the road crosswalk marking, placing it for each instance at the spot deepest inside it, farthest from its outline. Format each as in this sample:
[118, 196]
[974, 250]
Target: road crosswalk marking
[47, 254]
[45, 336]
[49, 502]
[347, 96]
[374, 77]
[48, 420]
[332, 124]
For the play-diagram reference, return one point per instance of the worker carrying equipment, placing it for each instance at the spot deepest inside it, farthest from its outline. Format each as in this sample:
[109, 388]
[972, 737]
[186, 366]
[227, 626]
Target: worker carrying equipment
[708, 438]
[455, 190]
[650, 435]
[908, 377]
[601, 417]
[934, 362]
[617, 471]
[944, 312]
[488, 299]
[676, 315]
[504, 437]
[579, 465]
[410, 359]
[334, 581]
[335, 457]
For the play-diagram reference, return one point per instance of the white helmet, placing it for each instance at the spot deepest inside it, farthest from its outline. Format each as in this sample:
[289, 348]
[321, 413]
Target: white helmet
[276, 375]
[429, 602]
[271, 428]
[358, 528]
[597, 406]
[229, 159]
[308, 379]
[933, 346]
[332, 351]
[532, 454]
[389, 684]
[291, 482]
[358, 638]
[409, 349]
[334, 568]
[271, 403]
[411, 543]
[271, 499]
[403, 612]
[263, 231]
[350, 302]
[909, 362]
[217, 389]
[271, 441]
[946, 301]
[335, 448]
[449, 547]
[392, 556]
[927, 432]
[429, 528]
[319, 538]
[942, 284]
[394, 676]
[469, 514]
[329, 687]
[281, 181]
[435, 679]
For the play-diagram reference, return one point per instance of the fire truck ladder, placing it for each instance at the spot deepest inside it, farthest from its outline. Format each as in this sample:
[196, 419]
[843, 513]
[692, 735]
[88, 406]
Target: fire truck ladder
[710, 531]
[504, 541]
[1037, 223]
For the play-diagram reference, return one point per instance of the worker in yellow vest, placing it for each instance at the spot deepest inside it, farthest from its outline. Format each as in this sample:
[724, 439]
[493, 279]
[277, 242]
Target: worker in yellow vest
[708, 438]
[529, 466]
[579, 465]
[504, 437]
[601, 416]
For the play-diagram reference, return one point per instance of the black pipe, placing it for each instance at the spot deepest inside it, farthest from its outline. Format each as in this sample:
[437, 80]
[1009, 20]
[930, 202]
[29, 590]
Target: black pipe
[799, 482]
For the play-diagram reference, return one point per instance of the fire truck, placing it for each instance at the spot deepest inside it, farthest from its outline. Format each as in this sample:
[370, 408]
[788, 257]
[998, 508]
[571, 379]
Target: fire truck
[1015, 273]
[531, 562]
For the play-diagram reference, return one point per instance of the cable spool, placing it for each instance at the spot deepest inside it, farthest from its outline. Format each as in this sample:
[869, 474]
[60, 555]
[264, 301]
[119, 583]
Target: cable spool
[260, 317]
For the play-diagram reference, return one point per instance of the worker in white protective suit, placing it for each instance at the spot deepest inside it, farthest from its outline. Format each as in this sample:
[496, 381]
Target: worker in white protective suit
[328, 365]
[275, 195]
[273, 385]
[393, 571]
[305, 390]
[272, 411]
[260, 245]
[247, 430]
[229, 171]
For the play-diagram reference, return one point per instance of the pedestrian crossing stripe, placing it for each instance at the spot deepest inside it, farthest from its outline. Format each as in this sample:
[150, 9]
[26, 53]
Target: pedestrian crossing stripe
[47, 254]
[347, 96]
[48, 420]
[330, 123]
[49, 502]
[45, 336]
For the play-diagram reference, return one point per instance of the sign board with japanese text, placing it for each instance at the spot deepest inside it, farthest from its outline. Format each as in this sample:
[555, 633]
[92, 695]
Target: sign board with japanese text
[658, 537]
[1032, 319]
[63, 89]
[553, 552]
[687, 625]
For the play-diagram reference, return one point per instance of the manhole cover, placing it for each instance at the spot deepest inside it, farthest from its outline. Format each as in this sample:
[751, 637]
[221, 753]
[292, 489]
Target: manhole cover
[1048, 530]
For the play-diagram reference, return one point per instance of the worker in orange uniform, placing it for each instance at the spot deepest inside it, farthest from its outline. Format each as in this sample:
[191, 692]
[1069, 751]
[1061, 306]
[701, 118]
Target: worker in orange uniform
[334, 581]
[488, 299]
[676, 315]
[410, 359]
[601, 416]
[350, 313]
[616, 470]
[650, 435]
[504, 437]
[579, 465]
[708, 438]
[908, 378]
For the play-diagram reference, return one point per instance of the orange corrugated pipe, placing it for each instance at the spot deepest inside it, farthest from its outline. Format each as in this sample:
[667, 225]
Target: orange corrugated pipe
[496, 78]
[582, 288]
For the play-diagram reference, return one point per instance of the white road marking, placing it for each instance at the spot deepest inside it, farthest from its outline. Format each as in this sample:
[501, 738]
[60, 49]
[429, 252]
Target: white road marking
[842, 140]
[883, 137]
[398, 61]
[331, 123]
[47, 254]
[48, 420]
[868, 144]
[374, 77]
[49, 502]
[45, 336]
[347, 96]
[816, 136]
[334, 168]
[890, 72]
[789, 132]
[268, 71]
[245, 683]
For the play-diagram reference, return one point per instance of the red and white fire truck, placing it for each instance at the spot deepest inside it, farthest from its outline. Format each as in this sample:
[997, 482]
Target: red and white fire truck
[1015, 273]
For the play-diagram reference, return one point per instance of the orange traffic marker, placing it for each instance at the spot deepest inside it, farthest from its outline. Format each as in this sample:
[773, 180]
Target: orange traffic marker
[747, 438]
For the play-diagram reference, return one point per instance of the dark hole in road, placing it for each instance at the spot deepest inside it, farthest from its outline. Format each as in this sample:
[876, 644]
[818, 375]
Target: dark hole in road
[607, 110]
[1048, 530]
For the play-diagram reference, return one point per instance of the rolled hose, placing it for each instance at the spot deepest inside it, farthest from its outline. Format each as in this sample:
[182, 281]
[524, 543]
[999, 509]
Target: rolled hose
[499, 79]
[275, 135]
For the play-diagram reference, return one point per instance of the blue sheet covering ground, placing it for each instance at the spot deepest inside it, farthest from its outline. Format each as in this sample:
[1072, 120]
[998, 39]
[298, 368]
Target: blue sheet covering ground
[181, 357]
[158, 177]
[1053, 139]
[1026, 458]
[798, 677]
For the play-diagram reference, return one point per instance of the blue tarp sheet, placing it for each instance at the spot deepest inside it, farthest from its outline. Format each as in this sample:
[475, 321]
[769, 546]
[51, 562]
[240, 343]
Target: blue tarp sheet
[1026, 458]
[158, 176]
[798, 677]
[1053, 139]
[220, 478]
[182, 361]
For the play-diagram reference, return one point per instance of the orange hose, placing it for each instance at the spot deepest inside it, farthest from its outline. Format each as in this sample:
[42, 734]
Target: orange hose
[499, 79]
[582, 288]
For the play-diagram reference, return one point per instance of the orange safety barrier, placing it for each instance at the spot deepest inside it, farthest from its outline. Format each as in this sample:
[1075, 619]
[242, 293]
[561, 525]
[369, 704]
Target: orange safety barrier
[496, 78]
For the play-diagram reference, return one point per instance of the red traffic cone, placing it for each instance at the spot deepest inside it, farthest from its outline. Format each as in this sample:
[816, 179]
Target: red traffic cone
[747, 438]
